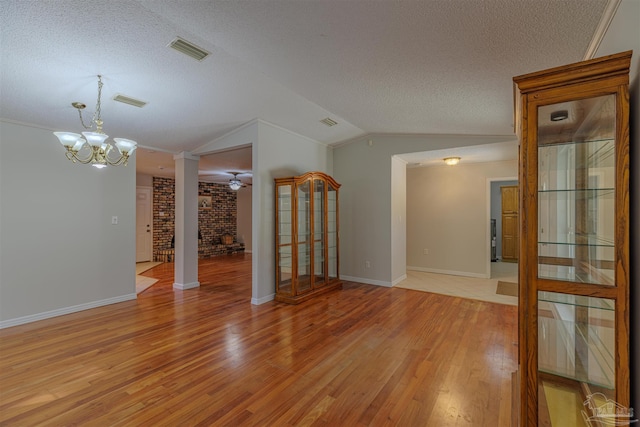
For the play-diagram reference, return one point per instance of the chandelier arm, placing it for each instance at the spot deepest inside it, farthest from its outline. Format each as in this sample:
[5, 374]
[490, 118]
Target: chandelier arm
[122, 159]
[74, 156]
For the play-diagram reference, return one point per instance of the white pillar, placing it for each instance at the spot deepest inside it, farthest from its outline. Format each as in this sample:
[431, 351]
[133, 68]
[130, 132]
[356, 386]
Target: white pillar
[186, 232]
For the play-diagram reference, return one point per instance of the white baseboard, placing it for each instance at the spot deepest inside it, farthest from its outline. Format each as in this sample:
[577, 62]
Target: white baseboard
[258, 301]
[451, 272]
[366, 281]
[183, 286]
[399, 279]
[65, 310]
[248, 251]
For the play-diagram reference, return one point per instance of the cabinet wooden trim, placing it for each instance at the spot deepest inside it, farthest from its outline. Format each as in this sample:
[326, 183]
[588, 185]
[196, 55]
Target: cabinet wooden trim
[296, 228]
[582, 82]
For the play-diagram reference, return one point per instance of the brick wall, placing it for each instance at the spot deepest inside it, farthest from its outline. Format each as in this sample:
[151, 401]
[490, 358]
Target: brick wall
[221, 218]
[163, 212]
[213, 223]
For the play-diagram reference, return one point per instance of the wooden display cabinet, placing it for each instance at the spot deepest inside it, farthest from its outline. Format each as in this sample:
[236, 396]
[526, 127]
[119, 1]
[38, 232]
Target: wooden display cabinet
[306, 236]
[574, 247]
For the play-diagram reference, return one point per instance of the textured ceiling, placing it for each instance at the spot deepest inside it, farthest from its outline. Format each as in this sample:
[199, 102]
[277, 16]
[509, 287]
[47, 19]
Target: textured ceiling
[432, 66]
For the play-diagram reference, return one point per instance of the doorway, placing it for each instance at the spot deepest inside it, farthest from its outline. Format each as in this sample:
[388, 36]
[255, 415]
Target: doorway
[144, 234]
[495, 213]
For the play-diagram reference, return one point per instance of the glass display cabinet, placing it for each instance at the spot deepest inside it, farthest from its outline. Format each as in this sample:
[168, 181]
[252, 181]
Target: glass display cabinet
[573, 124]
[306, 236]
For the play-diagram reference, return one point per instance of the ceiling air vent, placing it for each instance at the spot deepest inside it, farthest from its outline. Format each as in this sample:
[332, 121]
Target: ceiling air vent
[131, 101]
[329, 122]
[189, 49]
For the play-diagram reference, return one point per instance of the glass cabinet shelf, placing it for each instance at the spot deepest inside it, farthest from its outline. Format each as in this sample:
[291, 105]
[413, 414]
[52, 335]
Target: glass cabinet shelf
[599, 143]
[591, 241]
[576, 300]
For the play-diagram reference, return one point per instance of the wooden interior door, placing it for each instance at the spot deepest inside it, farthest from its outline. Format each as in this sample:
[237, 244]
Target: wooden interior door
[143, 224]
[510, 223]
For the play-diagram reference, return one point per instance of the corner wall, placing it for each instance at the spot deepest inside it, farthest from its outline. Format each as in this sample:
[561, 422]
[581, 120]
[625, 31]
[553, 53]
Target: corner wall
[365, 172]
[276, 153]
[59, 251]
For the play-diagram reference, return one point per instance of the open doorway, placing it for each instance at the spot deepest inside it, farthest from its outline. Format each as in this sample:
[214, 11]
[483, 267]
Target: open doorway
[224, 210]
[501, 234]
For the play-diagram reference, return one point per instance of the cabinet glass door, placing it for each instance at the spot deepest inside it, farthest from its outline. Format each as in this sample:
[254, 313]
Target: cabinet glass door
[304, 237]
[284, 233]
[576, 191]
[332, 231]
[576, 356]
[318, 233]
[576, 233]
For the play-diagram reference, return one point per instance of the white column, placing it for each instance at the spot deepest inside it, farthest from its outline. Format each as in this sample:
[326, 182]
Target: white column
[186, 233]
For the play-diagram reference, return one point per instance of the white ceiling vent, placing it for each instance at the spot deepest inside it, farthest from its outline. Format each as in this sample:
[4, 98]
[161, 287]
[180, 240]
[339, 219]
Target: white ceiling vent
[131, 101]
[329, 121]
[189, 49]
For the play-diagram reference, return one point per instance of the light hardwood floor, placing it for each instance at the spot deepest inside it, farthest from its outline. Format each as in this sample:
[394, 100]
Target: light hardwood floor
[362, 356]
[465, 287]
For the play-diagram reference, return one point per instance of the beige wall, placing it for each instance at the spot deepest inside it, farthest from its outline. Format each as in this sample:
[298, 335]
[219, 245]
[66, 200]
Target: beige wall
[59, 251]
[448, 214]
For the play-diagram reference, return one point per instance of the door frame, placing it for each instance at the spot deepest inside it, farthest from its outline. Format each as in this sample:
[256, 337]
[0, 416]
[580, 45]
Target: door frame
[145, 187]
[488, 226]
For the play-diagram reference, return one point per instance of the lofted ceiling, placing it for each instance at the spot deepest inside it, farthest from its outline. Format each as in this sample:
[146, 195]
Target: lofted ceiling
[375, 67]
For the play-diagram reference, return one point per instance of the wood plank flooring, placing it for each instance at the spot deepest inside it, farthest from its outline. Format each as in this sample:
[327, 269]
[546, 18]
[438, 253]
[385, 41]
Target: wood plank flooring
[362, 356]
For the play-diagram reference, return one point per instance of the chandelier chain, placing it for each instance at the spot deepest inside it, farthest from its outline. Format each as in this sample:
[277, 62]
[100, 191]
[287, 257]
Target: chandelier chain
[97, 112]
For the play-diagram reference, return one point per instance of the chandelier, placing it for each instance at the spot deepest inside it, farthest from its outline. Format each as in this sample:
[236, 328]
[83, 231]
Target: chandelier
[92, 149]
[234, 183]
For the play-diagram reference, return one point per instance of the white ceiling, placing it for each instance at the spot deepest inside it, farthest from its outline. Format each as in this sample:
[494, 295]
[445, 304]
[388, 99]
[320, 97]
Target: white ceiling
[432, 66]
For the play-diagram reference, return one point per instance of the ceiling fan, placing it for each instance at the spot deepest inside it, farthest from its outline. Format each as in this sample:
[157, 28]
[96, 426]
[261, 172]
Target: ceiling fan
[234, 183]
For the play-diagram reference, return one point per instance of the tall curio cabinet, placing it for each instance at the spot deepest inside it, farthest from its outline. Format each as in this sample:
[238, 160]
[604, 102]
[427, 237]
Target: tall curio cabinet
[574, 247]
[306, 236]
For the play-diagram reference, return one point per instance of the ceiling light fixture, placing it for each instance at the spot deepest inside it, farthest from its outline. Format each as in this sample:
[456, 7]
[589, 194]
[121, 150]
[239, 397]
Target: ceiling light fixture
[558, 116]
[234, 183]
[99, 151]
[452, 161]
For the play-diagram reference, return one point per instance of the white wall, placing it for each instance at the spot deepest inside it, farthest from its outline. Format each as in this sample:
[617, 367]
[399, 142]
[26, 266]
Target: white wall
[624, 34]
[243, 218]
[280, 153]
[276, 153]
[365, 215]
[447, 208]
[143, 180]
[398, 219]
[59, 252]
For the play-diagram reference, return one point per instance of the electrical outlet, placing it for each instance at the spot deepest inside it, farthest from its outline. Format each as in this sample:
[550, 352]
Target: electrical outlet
[367, 264]
[425, 251]
[114, 220]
